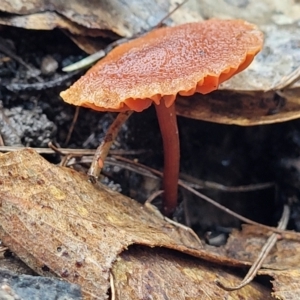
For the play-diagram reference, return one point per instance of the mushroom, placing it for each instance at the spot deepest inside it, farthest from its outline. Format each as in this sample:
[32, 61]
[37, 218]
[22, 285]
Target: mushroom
[184, 59]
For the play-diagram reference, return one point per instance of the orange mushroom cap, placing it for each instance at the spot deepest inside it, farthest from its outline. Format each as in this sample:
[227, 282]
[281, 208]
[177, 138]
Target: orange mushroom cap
[188, 58]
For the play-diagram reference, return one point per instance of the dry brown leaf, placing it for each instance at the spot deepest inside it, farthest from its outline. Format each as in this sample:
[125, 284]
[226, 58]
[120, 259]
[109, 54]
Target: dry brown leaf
[124, 18]
[164, 274]
[245, 245]
[48, 21]
[241, 109]
[286, 284]
[87, 44]
[52, 216]
[282, 263]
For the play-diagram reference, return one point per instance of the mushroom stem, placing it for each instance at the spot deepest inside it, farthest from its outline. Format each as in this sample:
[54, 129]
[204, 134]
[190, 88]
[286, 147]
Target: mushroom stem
[168, 126]
[102, 150]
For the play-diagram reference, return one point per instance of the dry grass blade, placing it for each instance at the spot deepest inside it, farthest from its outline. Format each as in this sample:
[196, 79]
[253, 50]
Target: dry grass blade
[91, 59]
[263, 254]
[288, 80]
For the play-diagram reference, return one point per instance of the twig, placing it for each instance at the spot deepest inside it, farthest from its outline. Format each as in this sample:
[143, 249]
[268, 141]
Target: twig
[16, 87]
[103, 149]
[285, 233]
[54, 148]
[263, 254]
[112, 287]
[288, 80]
[178, 5]
[12, 55]
[113, 162]
[153, 196]
[75, 117]
[154, 210]
[75, 152]
[202, 184]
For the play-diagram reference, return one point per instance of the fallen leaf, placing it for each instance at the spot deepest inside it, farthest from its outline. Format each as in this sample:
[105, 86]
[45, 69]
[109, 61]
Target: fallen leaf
[61, 225]
[124, 18]
[282, 263]
[141, 272]
[246, 109]
[53, 218]
[48, 21]
[286, 284]
[245, 245]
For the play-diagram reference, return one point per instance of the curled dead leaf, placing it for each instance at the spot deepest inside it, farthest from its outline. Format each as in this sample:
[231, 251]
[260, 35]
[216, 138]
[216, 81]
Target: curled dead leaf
[52, 216]
[281, 264]
[256, 108]
[165, 274]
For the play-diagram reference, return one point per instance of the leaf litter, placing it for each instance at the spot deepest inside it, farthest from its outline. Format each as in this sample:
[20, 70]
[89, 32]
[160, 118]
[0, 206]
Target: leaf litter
[53, 218]
[285, 283]
[166, 274]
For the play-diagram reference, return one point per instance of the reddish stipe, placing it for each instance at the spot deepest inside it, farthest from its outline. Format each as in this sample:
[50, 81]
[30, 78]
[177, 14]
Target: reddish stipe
[168, 126]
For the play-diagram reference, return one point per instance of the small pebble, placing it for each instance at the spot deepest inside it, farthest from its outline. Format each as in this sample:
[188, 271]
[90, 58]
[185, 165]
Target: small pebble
[49, 65]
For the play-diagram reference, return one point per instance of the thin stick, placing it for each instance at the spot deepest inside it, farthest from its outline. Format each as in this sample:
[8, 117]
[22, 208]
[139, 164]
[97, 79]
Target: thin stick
[178, 5]
[189, 180]
[286, 81]
[39, 86]
[112, 287]
[285, 233]
[203, 184]
[153, 196]
[17, 58]
[103, 149]
[263, 254]
[70, 151]
[154, 210]
[71, 129]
